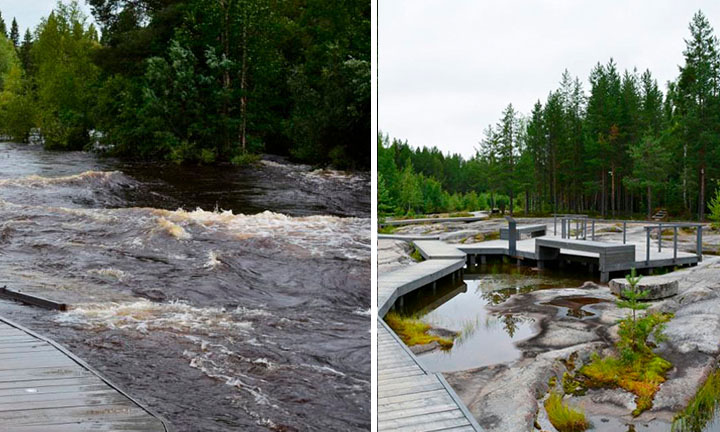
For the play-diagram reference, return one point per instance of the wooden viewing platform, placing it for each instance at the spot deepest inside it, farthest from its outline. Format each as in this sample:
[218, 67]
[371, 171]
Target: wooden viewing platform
[44, 387]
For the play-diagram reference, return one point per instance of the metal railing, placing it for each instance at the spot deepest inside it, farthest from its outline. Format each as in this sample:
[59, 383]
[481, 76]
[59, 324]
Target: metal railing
[581, 231]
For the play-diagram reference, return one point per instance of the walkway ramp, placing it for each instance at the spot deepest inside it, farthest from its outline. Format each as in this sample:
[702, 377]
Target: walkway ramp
[43, 387]
[411, 399]
[436, 249]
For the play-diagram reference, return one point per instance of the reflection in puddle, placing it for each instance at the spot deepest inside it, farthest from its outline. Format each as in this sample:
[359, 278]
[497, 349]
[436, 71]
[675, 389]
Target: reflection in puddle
[485, 338]
[575, 307]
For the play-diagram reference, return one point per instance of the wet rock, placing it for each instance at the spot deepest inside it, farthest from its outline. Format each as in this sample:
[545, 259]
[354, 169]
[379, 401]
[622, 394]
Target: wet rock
[561, 334]
[657, 287]
[696, 327]
[425, 348]
[443, 333]
[695, 294]
[590, 285]
[154, 295]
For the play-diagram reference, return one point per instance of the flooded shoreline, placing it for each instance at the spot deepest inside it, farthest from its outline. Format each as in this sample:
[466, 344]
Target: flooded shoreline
[216, 311]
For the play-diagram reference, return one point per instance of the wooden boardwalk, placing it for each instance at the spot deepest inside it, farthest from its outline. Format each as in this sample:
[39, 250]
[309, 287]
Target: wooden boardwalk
[432, 220]
[436, 249]
[410, 398]
[43, 387]
[400, 282]
[407, 237]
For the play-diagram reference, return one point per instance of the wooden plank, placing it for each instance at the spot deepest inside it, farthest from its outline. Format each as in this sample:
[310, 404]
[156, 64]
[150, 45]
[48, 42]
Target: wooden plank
[44, 387]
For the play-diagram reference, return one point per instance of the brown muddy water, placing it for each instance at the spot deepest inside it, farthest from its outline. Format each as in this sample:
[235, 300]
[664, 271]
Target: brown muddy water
[224, 298]
[486, 337]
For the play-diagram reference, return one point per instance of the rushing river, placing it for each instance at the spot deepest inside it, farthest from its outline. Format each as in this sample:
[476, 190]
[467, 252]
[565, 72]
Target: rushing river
[224, 298]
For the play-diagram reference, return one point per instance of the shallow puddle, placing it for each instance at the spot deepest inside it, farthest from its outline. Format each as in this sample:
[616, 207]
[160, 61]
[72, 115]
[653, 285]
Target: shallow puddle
[485, 338]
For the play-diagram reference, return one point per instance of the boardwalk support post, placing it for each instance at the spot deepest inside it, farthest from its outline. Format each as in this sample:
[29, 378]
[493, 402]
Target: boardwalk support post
[647, 245]
[624, 231]
[660, 238]
[675, 228]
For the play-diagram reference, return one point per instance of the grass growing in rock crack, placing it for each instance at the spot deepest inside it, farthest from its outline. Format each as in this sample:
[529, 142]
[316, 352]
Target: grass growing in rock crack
[416, 255]
[413, 331]
[636, 368]
[387, 229]
[701, 408]
[564, 417]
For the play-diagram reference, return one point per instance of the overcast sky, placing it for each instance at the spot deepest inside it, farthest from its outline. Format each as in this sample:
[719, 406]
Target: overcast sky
[29, 12]
[447, 68]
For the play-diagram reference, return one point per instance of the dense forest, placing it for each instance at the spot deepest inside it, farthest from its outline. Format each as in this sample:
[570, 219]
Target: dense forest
[193, 80]
[625, 148]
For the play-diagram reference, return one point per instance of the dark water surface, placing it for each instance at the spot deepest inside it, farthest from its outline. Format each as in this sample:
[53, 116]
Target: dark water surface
[224, 298]
[486, 338]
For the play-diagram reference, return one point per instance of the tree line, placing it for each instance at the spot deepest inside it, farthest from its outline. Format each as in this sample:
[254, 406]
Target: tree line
[623, 148]
[194, 80]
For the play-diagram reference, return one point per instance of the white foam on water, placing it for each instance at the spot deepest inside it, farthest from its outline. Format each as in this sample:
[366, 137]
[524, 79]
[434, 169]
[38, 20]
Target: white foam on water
[212, 260]
[144, 316]
[319, 235]
[84, 178]
[109, 272]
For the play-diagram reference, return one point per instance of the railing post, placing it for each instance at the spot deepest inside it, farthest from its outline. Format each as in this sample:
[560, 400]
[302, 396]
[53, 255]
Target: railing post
[577, 229]
[699, 242]
[562, 227]
[624, 231]
[675, 228]
[659, 237]
[554, 224]
[647, 245]
[593, 230]
[512, 235]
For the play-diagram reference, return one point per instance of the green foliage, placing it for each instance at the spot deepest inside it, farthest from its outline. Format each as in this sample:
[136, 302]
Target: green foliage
[714, 208]
[637, 369]
[563, 417]
[65, 77]
[198, 80]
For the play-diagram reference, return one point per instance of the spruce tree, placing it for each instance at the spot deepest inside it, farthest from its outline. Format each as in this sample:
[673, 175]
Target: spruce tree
[3, 27]
[14, 33]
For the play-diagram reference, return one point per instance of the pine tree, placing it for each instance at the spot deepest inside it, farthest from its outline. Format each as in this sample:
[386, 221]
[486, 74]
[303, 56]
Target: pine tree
[3, 27]
[698, 99]
[24, 51]
[15, 33]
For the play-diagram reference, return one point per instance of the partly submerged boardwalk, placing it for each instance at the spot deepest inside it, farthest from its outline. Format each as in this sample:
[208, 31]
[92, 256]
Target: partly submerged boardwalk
[409, 397]
[43, 387]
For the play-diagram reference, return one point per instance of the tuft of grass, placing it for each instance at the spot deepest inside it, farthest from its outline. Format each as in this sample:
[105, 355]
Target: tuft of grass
[412, 331]
[492, 235]
[564, 417]
[642, 376]
[461, 214]
[387, 229]
[416, 255]
[701, 408]
[245, 159]
[572, 386]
